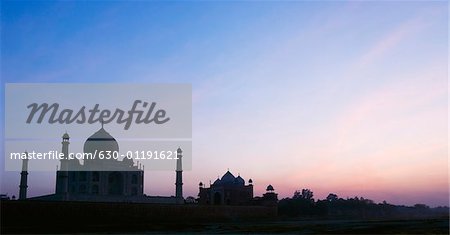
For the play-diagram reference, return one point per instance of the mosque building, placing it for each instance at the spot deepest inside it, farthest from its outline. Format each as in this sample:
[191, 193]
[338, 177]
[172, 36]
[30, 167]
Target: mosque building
[231, 190]
[228, 190]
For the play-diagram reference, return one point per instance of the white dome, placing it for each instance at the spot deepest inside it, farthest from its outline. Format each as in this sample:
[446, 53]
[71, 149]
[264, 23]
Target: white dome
[100, 141]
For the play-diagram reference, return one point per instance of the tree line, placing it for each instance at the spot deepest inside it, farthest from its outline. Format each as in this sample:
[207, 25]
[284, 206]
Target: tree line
[303, 204]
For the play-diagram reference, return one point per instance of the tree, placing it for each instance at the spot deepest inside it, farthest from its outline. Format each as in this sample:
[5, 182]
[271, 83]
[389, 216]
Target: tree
[332, 197]
[297, 195]
[305, 194]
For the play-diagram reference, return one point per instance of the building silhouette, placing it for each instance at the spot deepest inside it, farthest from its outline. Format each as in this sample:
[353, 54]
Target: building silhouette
[228, 190]
[231, 190]
[120, 178]
[113, 180]
[109, 180]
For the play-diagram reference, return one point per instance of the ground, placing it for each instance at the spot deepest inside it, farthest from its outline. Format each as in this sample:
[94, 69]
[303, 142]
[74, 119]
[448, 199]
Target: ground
[308, 226]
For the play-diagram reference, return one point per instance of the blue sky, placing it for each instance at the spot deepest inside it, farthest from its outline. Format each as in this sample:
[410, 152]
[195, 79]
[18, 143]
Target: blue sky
[343, 97]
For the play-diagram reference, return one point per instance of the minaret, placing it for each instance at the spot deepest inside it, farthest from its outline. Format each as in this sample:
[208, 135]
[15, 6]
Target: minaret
[63, 175]
[24, 178]
[179, 177]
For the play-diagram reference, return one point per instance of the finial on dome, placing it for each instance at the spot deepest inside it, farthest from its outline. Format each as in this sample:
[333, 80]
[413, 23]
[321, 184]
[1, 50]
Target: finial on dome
[101, 121]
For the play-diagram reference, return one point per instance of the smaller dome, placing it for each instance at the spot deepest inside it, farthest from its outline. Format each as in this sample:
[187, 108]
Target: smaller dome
[128, 161]
[200, 184]
[269, 188]
[250, 181]
[179, 150]
[66, 136]
[239, 180]
[217, 182]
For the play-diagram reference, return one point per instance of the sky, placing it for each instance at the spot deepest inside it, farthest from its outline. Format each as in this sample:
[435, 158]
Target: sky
[338, 97]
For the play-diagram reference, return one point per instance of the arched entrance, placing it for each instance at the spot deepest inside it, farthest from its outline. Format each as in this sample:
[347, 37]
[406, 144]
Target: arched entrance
[217, 198]
[115, 183]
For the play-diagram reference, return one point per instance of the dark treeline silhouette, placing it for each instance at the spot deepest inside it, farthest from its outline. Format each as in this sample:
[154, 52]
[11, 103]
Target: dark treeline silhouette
[303, 204]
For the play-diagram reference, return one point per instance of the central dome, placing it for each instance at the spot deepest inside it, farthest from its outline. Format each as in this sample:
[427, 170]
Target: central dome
[100, 141]
[227, 178]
